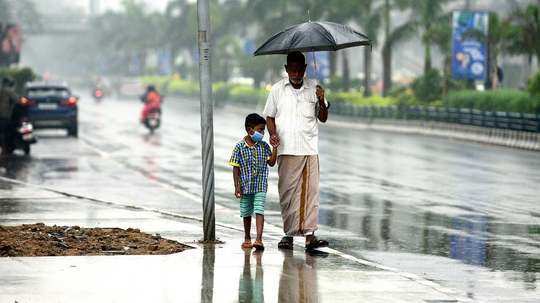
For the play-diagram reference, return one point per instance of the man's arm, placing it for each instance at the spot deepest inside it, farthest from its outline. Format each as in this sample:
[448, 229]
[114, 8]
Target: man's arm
[271, 124]
[322, 113]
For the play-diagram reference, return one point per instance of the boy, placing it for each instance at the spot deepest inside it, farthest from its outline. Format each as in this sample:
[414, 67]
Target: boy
[249, 159]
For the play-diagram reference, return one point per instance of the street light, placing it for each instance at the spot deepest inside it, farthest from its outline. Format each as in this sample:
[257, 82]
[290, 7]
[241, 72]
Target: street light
[207, 128]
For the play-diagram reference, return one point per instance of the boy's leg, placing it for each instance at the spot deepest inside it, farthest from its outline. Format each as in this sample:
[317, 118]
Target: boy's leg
[247, 229]
[246, 211]
[258, 206]
[260, 226]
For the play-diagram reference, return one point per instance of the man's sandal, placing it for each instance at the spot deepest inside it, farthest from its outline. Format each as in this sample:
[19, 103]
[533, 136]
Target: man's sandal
[316, 243]
[258, 245]
[286, 243]
[247, 245]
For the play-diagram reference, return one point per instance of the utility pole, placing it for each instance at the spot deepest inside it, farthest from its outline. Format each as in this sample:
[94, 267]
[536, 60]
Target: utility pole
[207, 127]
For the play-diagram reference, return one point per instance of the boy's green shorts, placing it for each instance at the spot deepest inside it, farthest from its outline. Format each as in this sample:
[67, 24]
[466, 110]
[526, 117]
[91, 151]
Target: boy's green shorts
[252, 203]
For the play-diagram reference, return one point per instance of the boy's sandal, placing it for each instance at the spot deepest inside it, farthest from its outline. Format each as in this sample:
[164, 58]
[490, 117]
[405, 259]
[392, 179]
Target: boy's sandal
[258, 245]
[316, 243]
[286, 243]
[247, 245]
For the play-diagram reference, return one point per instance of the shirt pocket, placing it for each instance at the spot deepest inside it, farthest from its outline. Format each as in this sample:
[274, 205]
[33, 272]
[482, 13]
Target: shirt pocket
[308, 118]
[307, 108]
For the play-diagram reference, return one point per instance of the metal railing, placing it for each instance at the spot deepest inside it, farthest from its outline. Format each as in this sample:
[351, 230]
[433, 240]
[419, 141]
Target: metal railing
[464, 116]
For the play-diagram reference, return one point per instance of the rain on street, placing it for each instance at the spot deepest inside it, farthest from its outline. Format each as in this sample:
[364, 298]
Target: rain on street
[395, 199]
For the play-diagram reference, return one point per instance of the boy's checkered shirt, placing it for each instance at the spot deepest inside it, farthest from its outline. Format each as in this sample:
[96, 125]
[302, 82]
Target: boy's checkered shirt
[253, 165]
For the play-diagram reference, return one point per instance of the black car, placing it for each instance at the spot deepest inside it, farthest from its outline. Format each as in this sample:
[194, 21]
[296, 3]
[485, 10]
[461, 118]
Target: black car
[52, 105]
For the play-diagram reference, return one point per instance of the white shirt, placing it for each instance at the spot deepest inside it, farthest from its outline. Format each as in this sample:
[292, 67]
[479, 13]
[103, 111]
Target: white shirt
[296, 119]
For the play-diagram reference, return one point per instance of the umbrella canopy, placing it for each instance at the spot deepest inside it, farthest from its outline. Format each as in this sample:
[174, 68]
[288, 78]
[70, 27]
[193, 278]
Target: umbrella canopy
[312, 37]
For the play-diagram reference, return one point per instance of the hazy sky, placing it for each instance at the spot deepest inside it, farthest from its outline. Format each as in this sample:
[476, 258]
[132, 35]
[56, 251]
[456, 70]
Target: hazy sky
[115, 4]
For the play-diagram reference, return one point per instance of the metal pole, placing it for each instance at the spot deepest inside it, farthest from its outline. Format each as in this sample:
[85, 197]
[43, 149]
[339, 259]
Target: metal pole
[207, 128]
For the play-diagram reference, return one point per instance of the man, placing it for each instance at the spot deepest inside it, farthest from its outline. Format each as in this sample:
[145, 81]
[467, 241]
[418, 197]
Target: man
[7, 101]
[293, 110]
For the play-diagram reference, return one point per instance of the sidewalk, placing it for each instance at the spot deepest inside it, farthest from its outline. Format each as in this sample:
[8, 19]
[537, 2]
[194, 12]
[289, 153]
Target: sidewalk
[223, 273]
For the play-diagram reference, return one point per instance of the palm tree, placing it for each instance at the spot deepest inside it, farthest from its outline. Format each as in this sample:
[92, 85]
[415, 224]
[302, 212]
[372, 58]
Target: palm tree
[180, 16]
[389, 39]
[524, 31]
[424, 17]
[370, 21]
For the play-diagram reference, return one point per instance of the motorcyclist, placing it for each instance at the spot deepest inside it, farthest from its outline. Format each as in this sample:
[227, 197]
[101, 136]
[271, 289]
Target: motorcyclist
[152, 101]
[8, 98]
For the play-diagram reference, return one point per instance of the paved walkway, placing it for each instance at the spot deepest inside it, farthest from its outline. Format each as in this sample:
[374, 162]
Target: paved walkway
[221, 273]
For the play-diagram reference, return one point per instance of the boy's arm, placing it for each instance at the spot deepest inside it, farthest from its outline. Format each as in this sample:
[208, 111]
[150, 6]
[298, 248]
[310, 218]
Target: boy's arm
[273, 157]
[237, 186]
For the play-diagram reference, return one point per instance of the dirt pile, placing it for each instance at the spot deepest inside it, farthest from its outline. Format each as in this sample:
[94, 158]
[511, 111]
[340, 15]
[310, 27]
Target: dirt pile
[41, 240]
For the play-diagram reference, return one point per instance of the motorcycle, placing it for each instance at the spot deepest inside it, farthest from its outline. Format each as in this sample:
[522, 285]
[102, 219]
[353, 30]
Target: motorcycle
[151, 115]
[20, 132]
[153, 119]
[98, 94]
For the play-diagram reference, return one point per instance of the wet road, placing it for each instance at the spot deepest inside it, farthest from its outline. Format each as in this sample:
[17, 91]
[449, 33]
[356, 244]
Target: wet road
[462, 214]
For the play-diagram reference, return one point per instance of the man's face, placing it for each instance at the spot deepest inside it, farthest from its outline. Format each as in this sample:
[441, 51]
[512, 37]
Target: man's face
[296, 71]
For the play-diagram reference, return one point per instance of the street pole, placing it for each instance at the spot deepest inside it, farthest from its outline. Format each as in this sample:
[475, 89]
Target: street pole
[207, 128]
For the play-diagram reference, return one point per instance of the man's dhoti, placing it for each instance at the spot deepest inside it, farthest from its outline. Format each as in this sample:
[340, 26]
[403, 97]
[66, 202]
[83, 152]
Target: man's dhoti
[299, 193]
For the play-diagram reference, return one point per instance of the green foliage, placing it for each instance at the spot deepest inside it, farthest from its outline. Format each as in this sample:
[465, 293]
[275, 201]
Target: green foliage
[494, 100]
[534, 85]
[523, 31]
[359, 99]
[336, 83]
[20, 75]
[428, 87]
[183, 87]
[247, 94]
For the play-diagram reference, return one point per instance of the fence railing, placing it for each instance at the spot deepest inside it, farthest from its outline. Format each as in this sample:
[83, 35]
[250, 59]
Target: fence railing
[500, 120]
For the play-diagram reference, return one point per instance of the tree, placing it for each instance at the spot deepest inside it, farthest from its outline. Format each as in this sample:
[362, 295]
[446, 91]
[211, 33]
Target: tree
[423, 19]
[370, 21]
[524, 31]
[389, 39]
[180, 28]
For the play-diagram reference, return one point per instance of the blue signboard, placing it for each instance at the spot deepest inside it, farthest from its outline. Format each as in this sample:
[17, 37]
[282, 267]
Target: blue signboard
[469, 50]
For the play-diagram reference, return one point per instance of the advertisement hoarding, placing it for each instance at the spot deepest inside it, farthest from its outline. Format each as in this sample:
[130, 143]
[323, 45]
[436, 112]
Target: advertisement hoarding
[469, 49]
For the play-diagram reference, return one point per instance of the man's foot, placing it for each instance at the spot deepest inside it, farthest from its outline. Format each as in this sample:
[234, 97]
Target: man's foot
[286, 243]
[247, 244]
[314, 243]
[258, 245]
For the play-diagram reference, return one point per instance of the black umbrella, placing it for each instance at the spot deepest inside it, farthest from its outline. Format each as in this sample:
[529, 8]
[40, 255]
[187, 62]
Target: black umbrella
[312, 37]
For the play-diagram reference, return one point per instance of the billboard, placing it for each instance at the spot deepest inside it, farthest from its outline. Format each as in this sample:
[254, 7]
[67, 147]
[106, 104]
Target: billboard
[469, 49]
[10, 44]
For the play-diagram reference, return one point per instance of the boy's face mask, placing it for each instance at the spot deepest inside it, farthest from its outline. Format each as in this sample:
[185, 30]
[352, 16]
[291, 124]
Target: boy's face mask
[256, 136]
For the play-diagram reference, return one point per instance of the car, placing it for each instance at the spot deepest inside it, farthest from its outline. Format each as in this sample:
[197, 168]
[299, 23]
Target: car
[52, 105]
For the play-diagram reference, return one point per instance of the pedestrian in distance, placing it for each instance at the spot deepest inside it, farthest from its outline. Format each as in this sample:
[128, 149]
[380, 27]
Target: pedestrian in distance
[250, 160]
[293, 110]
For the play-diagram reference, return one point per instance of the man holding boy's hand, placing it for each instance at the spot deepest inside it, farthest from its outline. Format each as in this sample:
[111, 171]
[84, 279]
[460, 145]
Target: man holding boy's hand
[293, 110]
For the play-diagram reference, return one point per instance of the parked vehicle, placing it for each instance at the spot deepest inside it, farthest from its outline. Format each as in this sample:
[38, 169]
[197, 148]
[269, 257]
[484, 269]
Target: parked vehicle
[52, 105]
[20, 132]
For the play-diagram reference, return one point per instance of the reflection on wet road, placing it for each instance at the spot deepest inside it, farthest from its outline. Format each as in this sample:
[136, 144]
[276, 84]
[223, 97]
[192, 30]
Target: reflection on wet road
[463, 214]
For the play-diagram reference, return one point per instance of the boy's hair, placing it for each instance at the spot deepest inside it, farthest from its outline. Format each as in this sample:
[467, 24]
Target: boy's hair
[253, 120]
[296, 57]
